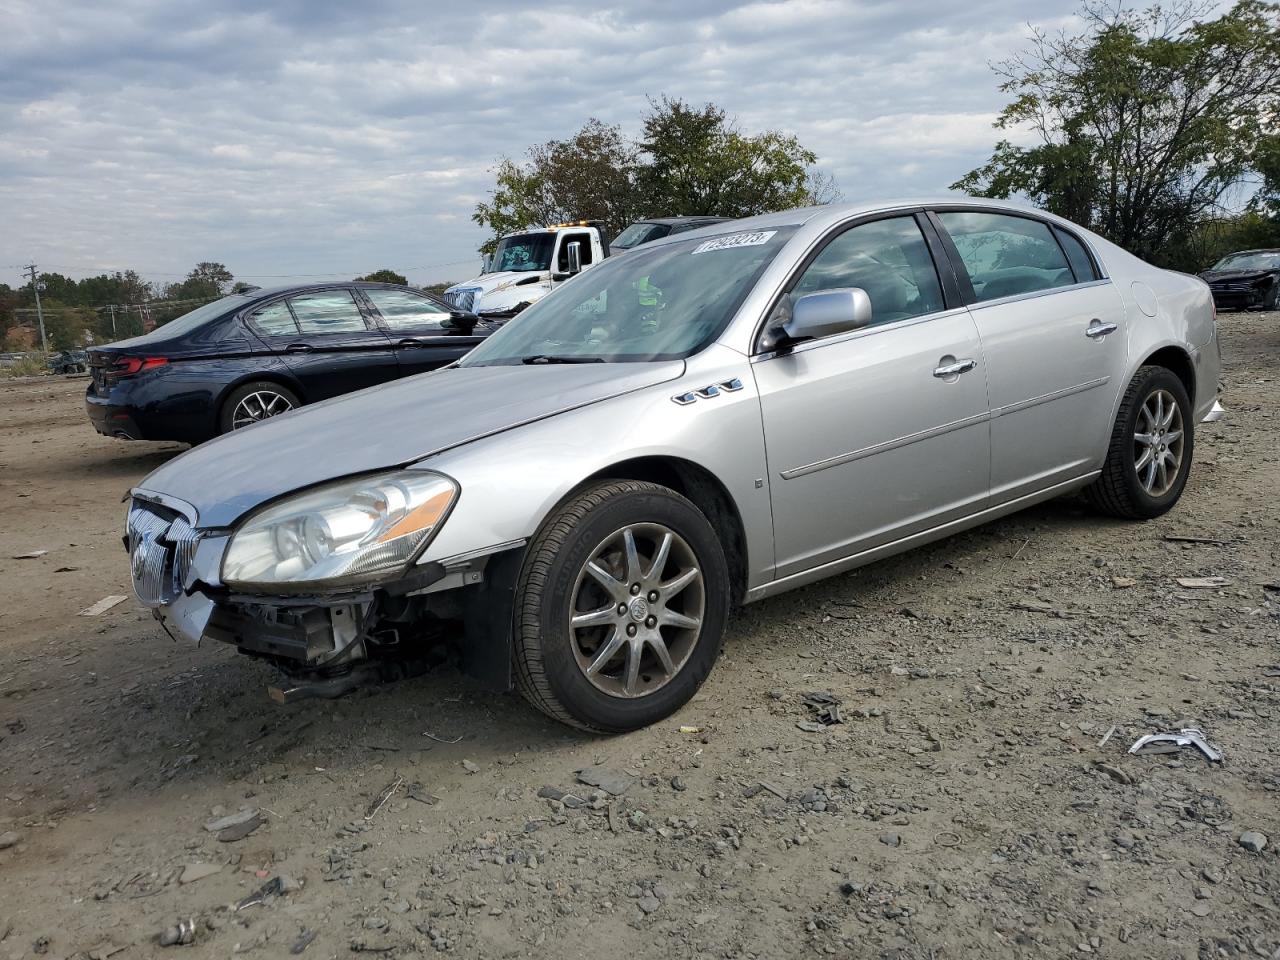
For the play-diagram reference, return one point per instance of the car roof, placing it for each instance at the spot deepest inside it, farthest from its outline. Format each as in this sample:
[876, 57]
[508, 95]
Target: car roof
[673, 221]
[1241, 253]
[261, 293]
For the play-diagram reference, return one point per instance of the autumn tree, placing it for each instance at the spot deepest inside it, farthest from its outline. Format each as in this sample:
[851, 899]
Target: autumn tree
[1146, 123]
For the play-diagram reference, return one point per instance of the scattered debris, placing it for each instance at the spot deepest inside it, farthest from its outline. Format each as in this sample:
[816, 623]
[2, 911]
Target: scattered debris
[198, 871]
[238, 831]
[272, 888]
[611, 781]
[688, 729]
[303, 941]
[9, 838]
[418, 792]
[432, 736]
[183, 932]
[470, 766]
[377, 803]
[1107, 736]
[102, 606]
[1124, 583]
[1182, 538]
[1161, 743]
[32, 555]
[219, 824]
[764, 785]
[1202, 583]
[824, 705]
[1115, 773]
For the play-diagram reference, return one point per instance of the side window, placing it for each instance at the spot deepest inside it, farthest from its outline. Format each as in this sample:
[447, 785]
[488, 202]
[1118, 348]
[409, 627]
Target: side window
[333, 311]
[1005, 255]
[562, 262]
[1077, 256]
[274, 320]
[886, 258]
[405, 311]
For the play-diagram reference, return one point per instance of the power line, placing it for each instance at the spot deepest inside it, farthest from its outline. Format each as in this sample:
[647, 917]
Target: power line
[100, 270]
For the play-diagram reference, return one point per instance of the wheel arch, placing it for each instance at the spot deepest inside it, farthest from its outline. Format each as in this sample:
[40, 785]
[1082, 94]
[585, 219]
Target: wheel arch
[1177, 360]
[705, 490]
[280, 377]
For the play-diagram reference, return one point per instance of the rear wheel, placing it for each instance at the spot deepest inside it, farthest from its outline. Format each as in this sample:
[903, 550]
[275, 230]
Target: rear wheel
[1149, 457]
[621, 607]
[254, 402]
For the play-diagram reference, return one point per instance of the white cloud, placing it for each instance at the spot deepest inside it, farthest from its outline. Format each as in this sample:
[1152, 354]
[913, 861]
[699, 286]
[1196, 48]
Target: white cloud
[315, 136]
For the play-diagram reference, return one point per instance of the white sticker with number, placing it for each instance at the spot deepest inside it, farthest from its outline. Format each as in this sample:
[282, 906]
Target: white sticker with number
[735, 240]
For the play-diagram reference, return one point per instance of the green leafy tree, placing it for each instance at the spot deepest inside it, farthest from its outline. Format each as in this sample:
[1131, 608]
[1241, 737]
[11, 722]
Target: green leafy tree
[385, 276]
[591, 176]
[699, 162]
[207, 281]
[688, 161]
[1147, 122]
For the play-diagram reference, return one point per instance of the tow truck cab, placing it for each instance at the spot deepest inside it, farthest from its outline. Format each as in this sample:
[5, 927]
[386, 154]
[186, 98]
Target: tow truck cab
[526, 266]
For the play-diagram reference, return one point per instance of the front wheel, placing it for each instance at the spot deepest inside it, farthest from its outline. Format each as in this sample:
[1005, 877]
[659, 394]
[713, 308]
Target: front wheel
[620, 608]
[1149, 456]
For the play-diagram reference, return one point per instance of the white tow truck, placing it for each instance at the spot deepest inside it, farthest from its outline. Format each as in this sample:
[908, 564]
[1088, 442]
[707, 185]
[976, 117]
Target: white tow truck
[526, 266]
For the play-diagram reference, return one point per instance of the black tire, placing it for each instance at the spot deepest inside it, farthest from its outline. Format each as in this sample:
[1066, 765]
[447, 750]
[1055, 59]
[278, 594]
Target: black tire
[545, 652]
[227, 415]
[1118, 491]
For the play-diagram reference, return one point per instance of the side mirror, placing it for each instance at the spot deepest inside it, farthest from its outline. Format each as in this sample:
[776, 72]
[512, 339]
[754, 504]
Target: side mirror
[572, 253]
[486, 263]
[829, 312]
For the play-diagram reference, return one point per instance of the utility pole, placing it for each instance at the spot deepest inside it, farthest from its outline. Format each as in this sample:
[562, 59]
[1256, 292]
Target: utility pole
[112, 308]
[35, 288]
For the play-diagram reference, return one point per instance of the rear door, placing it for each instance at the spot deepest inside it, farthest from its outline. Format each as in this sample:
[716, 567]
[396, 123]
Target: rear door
[326, 341]
[423, 332]
[879, 433]
[1053, 334]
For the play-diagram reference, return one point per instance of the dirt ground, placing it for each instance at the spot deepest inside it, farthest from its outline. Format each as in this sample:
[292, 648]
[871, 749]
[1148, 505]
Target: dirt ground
[965, 807]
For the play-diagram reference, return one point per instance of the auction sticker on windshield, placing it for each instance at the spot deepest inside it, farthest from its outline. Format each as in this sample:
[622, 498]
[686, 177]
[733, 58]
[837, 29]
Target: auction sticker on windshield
[735, 240]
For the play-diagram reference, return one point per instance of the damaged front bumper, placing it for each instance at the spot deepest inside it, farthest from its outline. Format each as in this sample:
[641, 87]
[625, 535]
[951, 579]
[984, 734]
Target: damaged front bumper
[176, 573]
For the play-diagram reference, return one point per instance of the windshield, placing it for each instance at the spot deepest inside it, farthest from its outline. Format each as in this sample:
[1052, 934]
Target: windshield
[1265, 260]
[189, 321]
[524, 252]
[637, 234]
[661, 303]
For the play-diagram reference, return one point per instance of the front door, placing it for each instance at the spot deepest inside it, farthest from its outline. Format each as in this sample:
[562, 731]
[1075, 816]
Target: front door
[1053, 331]
[425, 334]
[880, 433]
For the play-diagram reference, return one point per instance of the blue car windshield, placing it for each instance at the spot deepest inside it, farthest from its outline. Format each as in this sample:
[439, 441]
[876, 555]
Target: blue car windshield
[660, 302]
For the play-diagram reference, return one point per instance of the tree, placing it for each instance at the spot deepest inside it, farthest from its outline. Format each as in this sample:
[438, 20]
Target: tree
[1147, 122]
[689, 161]
[701, 163]
[385, 276]
[590, 176]
[206, 282]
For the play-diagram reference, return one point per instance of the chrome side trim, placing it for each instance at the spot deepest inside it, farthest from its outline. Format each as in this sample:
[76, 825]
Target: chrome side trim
[872, 554]
[1049, 397]
[886, 445]
[459, 559]
[173, 503]
[1037, 294]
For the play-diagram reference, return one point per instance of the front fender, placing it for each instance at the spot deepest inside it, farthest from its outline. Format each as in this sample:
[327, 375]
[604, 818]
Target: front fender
[511, 482]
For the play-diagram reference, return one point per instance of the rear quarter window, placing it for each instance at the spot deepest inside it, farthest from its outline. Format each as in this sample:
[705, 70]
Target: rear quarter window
[1081, 263]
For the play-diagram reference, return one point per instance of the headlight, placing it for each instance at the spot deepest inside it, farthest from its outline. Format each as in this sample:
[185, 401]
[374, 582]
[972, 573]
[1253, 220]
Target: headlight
[340, 535]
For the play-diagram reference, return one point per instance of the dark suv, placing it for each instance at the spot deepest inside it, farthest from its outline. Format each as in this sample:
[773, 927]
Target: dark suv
[253, 355]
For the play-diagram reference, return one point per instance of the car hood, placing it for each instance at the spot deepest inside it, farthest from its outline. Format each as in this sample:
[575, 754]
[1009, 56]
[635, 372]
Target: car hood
[488, 282]
[1238, 275]
[383, 427]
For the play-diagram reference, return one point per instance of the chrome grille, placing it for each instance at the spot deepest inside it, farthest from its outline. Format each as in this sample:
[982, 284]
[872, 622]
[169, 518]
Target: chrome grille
[463, 299]
[162, 547]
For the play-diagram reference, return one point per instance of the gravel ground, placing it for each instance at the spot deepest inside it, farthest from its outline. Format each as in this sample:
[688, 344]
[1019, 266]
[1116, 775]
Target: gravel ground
[976, 800]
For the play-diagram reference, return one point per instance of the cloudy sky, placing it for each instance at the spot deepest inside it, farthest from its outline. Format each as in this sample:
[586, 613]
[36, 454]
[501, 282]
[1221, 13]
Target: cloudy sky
[325, 137]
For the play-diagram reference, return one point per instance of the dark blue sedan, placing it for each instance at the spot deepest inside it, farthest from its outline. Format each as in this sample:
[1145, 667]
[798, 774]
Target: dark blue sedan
[253, 355]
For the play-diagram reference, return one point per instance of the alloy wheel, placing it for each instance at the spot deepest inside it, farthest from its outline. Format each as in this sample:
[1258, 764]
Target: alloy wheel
[637, 610]
[259, 405]
[1158, 443]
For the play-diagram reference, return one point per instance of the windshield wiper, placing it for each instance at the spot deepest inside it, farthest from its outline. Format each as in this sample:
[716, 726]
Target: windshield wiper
[548, 358]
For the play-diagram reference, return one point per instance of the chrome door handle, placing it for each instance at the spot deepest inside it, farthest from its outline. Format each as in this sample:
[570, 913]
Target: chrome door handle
[1097, 329]
[955, 368]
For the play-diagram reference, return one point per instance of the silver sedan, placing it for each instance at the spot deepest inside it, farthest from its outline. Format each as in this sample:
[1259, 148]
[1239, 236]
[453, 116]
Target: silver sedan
[709, 420]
